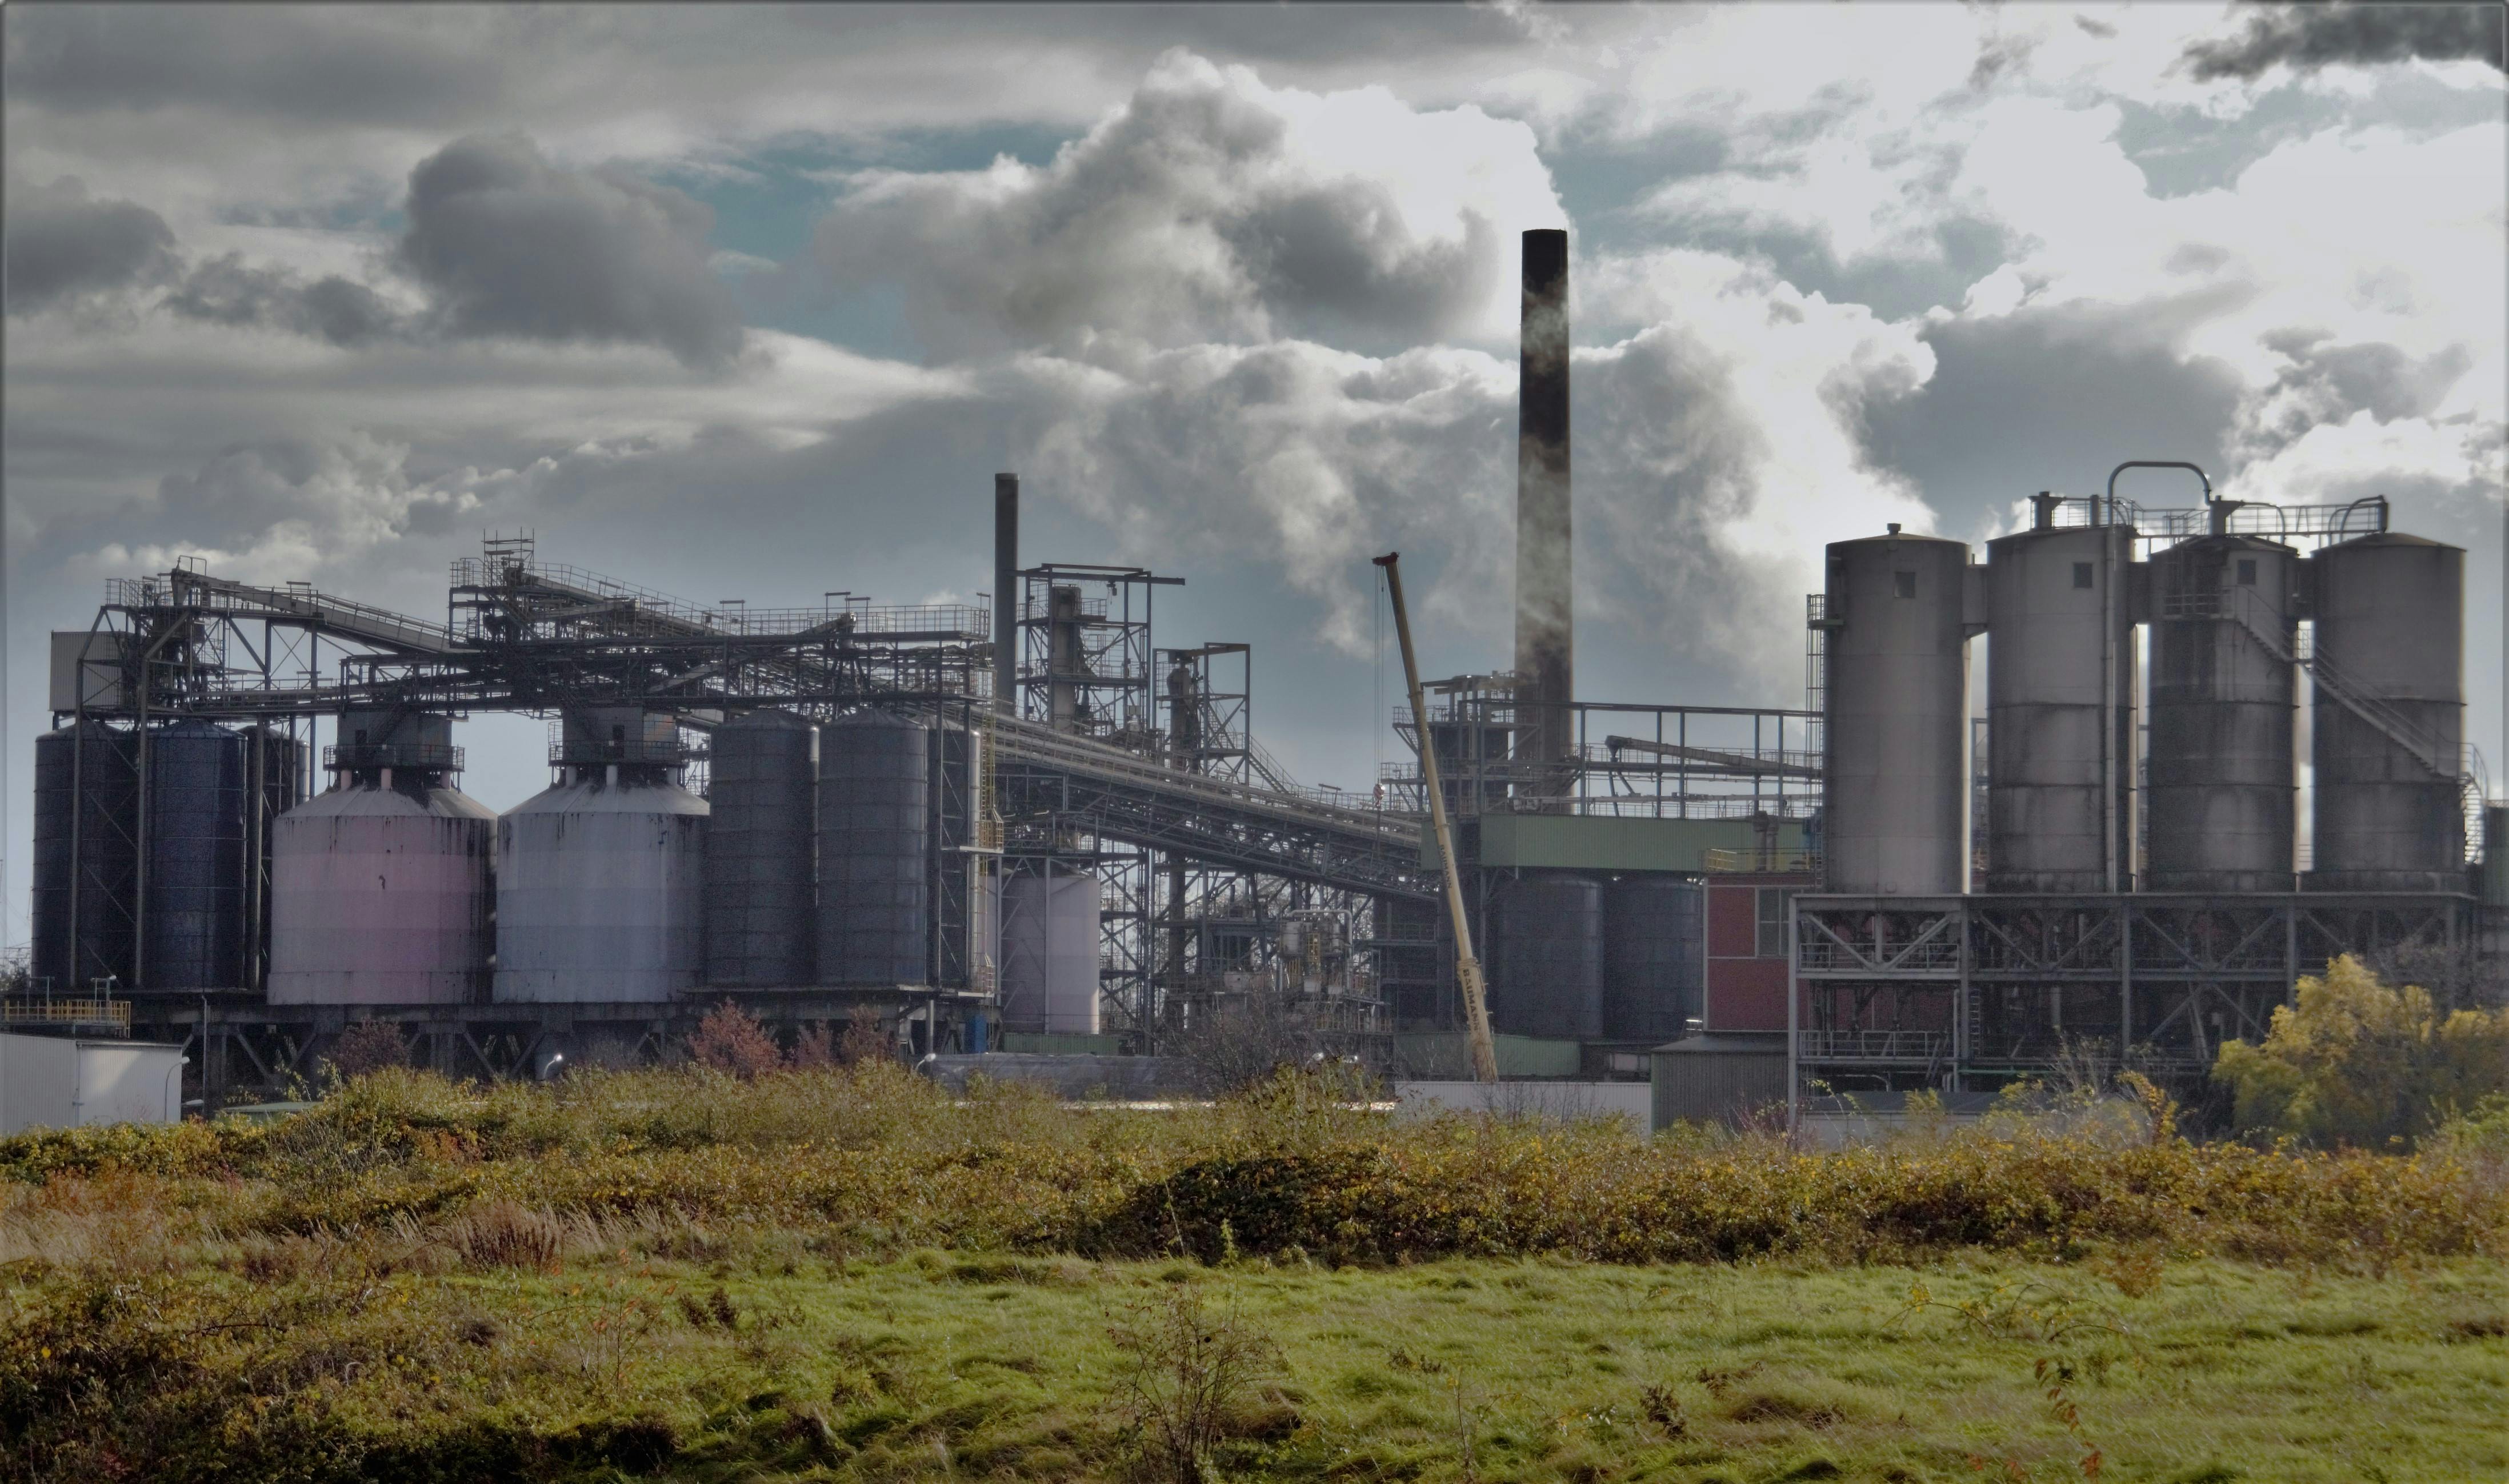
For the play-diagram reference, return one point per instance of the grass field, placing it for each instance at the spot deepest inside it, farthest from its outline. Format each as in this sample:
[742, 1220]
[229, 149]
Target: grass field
[847, 1277]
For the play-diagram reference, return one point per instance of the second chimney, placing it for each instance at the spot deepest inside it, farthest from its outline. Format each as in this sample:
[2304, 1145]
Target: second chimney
[1546, 642]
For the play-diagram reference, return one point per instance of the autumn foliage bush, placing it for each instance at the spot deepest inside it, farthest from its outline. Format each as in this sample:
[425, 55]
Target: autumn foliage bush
[2356, 1062]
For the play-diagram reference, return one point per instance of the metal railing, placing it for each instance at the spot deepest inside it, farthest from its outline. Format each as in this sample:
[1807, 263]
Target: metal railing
[50, 1012]
[1905, 1046]
[409, 755]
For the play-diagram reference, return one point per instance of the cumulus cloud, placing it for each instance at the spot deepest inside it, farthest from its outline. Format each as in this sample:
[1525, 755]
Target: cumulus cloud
[65, 245]
[1211, 207]
[511, 245]
[2306, 37]
[255, 509]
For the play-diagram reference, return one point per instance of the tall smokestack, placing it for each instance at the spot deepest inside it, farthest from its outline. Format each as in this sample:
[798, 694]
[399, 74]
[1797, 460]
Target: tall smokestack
[1546, 640]
[1006, 582]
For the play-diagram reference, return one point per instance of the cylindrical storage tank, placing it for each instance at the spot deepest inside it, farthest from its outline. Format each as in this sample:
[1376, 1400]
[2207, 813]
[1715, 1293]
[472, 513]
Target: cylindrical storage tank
[1653, 959]
[381, 896]
[2220, 780]
[1895, 716]
[1050, 953]
[875, 885]
[1545, 957]
[2390, 631]
[2060, 705]
[194, 903]
[600, 893]
[87, 848]
[762, 853]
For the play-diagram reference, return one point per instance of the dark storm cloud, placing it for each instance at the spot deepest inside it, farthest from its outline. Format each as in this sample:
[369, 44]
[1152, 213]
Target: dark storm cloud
[226, 290]
[2326, 382]
[2055, 398]
[2312, 36]
[513, 245]
[64, 246]
[315, 64]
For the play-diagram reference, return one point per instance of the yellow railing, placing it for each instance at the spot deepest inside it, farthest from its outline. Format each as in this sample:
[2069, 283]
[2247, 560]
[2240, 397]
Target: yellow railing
[1731, 862]
[113, 1013]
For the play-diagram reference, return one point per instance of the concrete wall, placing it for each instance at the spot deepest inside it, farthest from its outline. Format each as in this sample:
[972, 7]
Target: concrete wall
[1564, 1100]
[60, 1082]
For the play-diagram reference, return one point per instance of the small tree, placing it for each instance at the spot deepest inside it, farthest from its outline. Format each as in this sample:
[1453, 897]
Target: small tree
[367, 1046]
[1186, 1368]
[2357, 1062]
[731, 1040]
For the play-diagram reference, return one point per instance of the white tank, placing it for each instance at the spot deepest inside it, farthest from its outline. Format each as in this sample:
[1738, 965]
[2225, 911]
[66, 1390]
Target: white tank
[600, 893]
[379, 896]
[1050, 953]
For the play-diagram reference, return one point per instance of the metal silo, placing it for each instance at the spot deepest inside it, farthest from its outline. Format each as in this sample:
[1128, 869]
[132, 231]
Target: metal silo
[2388, 813]
[1653, 956]
[1547, 957]
[600, 880]
[2060, 697]
[2220, 785]
[762, 852]
[1049, 952]
[1895, 719]
[380, 885]
[196, 913]
[874, 844]
[87, 855]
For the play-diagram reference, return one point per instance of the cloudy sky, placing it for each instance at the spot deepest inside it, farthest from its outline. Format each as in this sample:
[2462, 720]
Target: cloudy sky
[735, 301]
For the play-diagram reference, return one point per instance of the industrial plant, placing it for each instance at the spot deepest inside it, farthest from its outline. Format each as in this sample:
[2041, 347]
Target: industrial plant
[1037, 825]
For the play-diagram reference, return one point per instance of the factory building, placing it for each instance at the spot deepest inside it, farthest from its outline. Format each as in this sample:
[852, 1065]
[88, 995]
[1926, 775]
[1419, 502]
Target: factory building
[1026, 824]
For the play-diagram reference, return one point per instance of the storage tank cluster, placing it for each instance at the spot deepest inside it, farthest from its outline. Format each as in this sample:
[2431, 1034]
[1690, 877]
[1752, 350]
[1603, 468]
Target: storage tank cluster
[811, 866]
[1576, 957]
[151, 853]
[2061, 605]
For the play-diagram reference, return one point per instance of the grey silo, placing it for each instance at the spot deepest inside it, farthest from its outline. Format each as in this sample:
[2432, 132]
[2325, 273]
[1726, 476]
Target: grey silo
[1546, 956]
[1895, 722]
[874, 841]
[87, 855]
[2061, 682]
[600, 891]
[762, 852]
[2221, 786]
[1652, 956]
[2386, 815]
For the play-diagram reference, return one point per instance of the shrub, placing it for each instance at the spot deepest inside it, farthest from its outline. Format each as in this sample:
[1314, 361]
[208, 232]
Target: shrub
[731, 1040]
[2357, 1062]
[369, 1046]
[1188, 1371]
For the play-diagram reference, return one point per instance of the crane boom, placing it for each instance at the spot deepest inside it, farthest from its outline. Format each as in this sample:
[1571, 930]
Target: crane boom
[1468, 968]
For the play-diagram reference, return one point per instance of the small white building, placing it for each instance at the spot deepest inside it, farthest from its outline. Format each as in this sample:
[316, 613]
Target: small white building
[70, 1082]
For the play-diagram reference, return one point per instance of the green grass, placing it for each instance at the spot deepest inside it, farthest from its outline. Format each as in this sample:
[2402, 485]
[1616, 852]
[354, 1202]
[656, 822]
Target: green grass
[845, 1276]
[943, 1366]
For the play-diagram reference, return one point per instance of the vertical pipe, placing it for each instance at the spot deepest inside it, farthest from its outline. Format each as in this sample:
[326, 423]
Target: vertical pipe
[1545, 628]
[1006, 594]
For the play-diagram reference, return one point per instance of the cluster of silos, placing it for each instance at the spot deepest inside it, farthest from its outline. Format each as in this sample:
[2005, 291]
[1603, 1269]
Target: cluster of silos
[2061, 605]
[1576, 957]
[809, 866]
[152, 846]
[382, 885]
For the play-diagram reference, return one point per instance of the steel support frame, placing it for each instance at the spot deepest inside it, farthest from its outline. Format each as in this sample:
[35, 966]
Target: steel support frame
[1935, 990]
